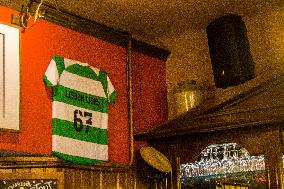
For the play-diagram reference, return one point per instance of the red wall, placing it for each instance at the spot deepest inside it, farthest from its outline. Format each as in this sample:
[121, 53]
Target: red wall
[150, 92]
[45, 39]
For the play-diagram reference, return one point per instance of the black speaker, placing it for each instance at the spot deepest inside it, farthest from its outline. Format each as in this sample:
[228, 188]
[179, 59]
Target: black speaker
[231, 60]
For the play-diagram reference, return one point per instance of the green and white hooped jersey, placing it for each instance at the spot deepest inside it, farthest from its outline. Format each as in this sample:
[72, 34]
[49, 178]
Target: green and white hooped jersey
[81, 94]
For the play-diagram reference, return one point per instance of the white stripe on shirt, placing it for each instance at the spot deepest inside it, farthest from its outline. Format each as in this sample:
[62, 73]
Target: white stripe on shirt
[79, 148]
[82, 84]
[66, 112]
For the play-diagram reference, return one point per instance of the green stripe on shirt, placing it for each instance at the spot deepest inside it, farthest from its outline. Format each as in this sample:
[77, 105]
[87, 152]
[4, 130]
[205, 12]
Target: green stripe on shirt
[76, 159]
[59, 64]
[112, 97]
[46, 81]
[86, 71]
[88, 134]
[80, 99]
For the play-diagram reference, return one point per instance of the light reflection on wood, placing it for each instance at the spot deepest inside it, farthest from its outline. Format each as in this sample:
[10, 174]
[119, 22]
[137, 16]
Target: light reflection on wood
[117, 181]
[101, 180]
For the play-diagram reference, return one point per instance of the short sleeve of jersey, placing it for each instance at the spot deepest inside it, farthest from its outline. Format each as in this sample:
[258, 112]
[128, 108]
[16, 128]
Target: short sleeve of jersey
[53, 71]
[112, 94]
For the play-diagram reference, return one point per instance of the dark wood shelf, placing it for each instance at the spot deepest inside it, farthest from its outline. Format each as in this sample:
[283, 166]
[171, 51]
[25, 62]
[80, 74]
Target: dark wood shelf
[260, 103]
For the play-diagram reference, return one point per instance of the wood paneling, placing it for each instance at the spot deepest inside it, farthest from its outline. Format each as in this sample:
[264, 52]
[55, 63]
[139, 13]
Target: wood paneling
[79, 177]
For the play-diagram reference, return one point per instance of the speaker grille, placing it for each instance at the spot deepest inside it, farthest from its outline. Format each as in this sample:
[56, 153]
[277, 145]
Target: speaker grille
[231, 60]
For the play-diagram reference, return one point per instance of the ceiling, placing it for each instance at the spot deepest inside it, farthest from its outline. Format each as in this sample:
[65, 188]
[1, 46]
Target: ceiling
[154, 20]
[158, 21]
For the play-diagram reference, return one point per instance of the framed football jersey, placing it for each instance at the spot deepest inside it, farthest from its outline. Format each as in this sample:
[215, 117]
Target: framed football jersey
[81, 94]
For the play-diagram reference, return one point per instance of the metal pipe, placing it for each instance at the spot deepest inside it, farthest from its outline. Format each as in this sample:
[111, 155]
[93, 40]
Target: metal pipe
[130, 96]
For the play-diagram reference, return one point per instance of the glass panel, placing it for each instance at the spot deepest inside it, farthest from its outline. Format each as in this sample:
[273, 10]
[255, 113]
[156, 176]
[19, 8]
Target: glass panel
[9, 77]
[224, 166]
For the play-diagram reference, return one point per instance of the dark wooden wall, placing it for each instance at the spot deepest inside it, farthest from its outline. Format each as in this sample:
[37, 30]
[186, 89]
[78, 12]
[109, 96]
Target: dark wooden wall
[75, 177]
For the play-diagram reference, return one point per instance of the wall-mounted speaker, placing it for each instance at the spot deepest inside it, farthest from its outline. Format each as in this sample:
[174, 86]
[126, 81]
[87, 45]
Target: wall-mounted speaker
[231, 60]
